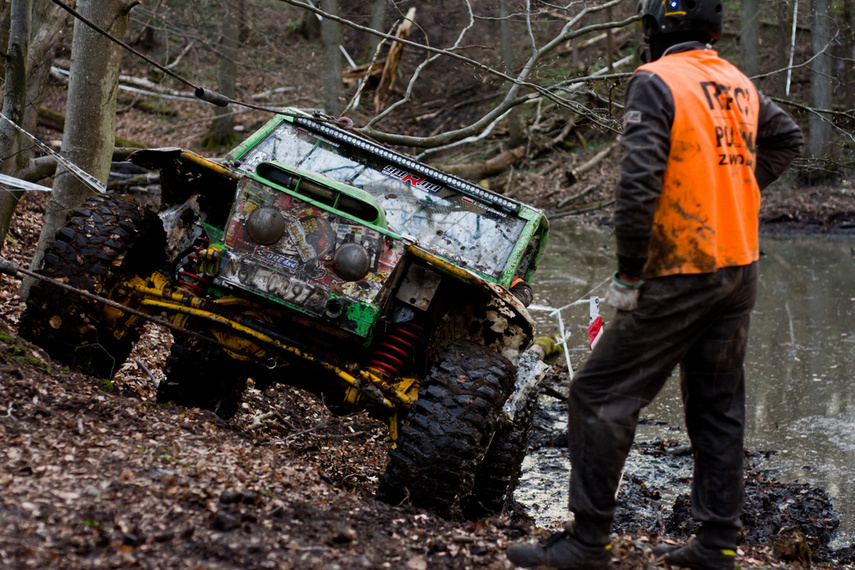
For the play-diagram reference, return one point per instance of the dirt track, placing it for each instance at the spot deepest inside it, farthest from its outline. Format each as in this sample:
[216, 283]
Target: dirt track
[97, 476]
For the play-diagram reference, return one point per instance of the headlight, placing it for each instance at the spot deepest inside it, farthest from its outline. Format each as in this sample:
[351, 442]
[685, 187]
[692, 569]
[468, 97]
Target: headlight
[352, 261]
[265, 225]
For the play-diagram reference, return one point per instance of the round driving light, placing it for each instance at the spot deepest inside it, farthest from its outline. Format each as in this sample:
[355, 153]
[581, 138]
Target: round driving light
[334, 308]
[265, 225]
[352, 262]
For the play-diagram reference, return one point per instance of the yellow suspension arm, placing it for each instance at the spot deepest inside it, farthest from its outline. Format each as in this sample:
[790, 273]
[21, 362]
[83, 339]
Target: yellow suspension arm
[356, 383]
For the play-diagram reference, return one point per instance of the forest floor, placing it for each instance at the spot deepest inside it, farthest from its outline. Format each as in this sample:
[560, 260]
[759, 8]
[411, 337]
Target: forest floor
[96, 474]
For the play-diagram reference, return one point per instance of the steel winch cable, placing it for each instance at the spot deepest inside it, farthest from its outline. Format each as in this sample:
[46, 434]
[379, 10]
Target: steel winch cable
[75, 170]
[12, 269]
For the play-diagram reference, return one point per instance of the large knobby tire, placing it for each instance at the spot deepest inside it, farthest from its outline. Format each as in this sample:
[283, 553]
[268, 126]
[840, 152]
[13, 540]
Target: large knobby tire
[105, 241]
[500, 471]
[200, 375]
[448, 430]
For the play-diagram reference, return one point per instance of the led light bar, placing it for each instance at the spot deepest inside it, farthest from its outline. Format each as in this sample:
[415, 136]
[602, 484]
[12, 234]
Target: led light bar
[402, 160]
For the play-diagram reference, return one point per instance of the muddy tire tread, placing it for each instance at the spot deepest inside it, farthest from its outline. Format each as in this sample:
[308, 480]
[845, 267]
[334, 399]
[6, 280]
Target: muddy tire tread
[448, 431]
[500, 471]
[92, 252]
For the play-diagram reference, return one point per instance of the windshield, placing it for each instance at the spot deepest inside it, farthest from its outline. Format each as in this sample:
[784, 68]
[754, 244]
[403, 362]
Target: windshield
[438, 218]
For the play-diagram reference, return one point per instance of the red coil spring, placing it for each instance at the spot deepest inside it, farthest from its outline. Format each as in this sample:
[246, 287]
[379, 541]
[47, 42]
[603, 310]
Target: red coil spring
[396, 350]
[187, 277]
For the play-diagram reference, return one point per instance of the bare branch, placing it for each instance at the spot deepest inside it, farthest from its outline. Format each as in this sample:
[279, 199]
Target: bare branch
[583, 209]
[512, 99]
[822, 114]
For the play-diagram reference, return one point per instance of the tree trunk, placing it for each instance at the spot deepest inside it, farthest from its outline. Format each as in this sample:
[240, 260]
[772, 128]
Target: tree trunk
[848, 51]
[48, 23]
[390, 68]
[514, 130]
[222, 130]
[819, 129]
[90, 129]
[749, 37]
[14, 101]
[784, 17]
[378, 20]
[5, 17]
[331, 38]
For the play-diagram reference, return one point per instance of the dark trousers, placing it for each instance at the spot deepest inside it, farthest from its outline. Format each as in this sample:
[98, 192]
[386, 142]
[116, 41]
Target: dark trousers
[697, 321]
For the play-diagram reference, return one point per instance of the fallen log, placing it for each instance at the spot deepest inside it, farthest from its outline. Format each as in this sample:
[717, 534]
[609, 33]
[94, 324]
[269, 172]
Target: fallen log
[45, 166]
[592, 207]
[51, 119]
[147, 107]
[574, 174]
[566, 200]
[360, 72]
[56, 121]
[487, 168]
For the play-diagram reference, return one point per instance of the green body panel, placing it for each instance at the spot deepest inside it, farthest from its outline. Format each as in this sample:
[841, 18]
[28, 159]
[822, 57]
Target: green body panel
[364, 316]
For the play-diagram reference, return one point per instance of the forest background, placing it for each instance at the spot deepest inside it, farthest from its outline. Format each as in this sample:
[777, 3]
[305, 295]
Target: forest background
[524, 97]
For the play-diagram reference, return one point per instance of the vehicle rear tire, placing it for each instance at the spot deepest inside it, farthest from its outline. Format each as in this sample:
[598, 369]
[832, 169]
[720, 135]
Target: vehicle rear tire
[448, 430]
[500, 471]
[107, 240]
[200, 375]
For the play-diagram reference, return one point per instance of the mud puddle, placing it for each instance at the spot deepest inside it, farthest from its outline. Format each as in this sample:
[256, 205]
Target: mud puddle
[654, 493]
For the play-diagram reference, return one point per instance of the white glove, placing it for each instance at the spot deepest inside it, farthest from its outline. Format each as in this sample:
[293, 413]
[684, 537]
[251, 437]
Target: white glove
[623, 295]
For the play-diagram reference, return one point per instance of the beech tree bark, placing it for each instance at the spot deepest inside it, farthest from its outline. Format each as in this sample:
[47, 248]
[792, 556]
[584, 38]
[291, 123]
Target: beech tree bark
[819, 128]
[222, 130]
[378, 18]
[331, 38]
[848, 42]
[749, 37]
[90, 128]
[22, 96]
[514, 128]
[14, 101]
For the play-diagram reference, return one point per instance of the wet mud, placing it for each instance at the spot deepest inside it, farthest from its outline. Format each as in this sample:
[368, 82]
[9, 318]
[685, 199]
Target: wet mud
[797, 519]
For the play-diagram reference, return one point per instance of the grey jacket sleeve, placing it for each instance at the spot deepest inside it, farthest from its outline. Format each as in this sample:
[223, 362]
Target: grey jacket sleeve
[646, 143]
[779, 141]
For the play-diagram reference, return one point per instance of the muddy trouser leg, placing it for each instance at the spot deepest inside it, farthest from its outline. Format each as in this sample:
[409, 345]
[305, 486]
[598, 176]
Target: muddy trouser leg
[713, 388]
[632, 361]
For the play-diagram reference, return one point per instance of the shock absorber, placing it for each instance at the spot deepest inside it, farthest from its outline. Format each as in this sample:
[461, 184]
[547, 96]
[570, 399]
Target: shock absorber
[188, 275]
[396, 350]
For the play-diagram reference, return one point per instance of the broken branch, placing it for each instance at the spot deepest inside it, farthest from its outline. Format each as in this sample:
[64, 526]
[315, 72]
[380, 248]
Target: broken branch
[574, 174]
[390, 69]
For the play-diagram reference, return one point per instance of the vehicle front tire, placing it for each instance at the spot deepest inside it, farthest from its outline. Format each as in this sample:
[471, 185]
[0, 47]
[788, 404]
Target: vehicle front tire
[448, 430]
[107, 240]
[500, 471]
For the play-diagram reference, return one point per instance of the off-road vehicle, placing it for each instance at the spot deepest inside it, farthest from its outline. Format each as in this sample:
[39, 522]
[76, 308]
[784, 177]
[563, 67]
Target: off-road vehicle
[312, 256]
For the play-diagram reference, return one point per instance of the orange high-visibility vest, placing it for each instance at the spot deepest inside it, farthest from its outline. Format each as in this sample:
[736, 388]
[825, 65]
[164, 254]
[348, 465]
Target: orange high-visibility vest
[707, 215]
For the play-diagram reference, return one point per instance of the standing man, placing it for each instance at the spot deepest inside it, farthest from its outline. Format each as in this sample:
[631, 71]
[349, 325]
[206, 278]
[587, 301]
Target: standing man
[699, 143]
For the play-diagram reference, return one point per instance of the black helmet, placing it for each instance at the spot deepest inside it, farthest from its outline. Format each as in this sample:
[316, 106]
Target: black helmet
[671, 16]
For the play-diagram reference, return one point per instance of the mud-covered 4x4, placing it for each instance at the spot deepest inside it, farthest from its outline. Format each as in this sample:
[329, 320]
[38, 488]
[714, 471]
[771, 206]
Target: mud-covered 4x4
[314, 257]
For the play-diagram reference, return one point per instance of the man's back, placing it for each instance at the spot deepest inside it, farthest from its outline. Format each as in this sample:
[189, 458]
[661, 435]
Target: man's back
[694, 161]
[707, 213]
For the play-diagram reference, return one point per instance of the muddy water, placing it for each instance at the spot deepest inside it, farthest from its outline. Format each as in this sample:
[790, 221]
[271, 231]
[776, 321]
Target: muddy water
[800, 367]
